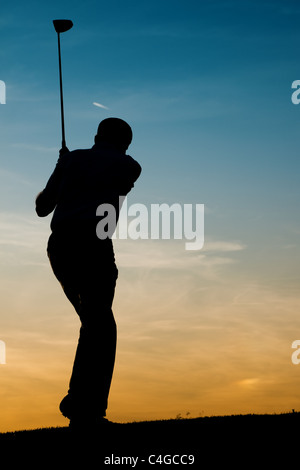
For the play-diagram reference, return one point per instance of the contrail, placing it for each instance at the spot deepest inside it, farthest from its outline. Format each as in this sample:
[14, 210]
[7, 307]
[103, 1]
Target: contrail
[100, 105]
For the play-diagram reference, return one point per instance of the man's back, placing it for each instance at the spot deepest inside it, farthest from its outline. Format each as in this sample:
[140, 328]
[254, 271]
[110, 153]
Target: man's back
[84, 179]
[89, 178]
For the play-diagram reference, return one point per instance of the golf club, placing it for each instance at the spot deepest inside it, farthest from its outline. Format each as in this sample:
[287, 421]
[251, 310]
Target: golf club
[61, 26]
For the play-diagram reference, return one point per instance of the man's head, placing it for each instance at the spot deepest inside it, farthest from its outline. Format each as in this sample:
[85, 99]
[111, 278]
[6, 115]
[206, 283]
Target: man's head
[114, 131]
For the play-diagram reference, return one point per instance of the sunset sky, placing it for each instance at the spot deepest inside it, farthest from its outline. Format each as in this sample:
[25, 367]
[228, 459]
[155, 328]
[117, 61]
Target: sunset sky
[206, 87]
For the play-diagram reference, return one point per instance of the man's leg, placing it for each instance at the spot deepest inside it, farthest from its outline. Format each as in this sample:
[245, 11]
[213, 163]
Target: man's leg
[91, 294]
[95, 356]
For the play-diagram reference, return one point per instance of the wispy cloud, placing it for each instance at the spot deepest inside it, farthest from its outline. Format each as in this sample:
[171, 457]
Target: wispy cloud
[171, 254]
[33, 147]
[223, 246]
[22, 239]
[12, 178]
[99, 105]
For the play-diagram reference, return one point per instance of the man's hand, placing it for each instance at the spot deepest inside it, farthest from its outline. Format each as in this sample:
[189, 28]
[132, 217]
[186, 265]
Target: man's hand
[63, 151]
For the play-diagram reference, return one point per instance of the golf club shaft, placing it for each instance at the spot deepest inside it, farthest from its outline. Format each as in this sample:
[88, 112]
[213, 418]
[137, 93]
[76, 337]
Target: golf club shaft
[63, 143]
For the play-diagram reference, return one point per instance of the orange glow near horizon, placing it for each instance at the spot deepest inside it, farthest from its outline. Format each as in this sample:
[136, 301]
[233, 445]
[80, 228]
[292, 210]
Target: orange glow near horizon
[195, 338]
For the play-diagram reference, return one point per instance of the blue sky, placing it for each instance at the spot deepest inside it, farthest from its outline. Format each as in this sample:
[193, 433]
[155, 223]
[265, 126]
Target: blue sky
[206, 86]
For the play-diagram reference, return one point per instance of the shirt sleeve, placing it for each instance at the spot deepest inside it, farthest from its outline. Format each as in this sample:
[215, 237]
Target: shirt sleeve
[132, 172]
[47, 199]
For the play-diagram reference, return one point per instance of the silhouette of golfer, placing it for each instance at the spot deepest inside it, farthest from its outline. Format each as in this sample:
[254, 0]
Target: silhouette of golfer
[85, 264]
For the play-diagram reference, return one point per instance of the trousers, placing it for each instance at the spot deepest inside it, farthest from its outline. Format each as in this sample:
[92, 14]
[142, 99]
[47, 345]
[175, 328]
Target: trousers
[86, 269]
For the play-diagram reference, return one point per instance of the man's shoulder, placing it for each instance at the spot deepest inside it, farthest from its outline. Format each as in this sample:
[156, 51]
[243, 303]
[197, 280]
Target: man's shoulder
[79, 152]
[76, 155]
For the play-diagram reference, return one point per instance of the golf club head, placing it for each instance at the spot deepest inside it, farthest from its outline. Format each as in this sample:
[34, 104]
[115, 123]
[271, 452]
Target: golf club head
[62, 25]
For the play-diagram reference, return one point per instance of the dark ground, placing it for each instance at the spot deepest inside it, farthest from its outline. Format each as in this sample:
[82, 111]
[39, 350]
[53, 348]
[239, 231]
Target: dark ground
[239, 441]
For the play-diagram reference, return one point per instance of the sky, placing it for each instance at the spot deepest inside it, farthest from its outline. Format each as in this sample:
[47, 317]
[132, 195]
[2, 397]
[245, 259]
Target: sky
[206, 87]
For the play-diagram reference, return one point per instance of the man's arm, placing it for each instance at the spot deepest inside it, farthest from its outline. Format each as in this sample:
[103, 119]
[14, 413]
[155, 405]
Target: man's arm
[47, 199]
[131, 173]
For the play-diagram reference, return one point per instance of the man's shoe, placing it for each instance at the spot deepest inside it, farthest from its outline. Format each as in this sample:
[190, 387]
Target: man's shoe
[80, 418]
[66, 407]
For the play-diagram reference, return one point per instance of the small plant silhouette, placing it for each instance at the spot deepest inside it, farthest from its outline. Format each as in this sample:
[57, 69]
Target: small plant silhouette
[179, 416]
